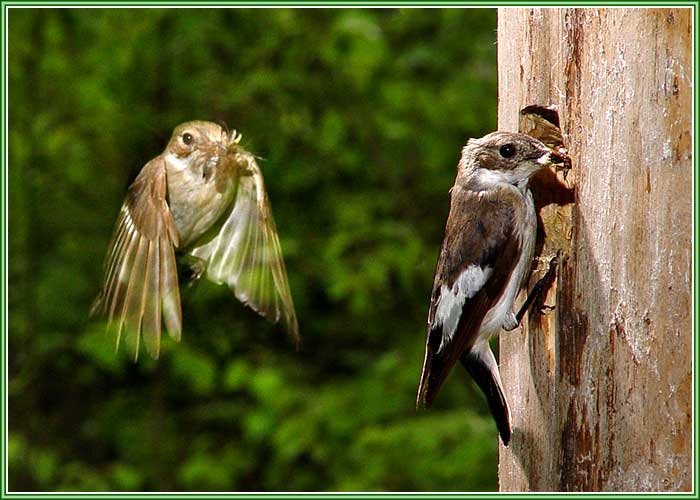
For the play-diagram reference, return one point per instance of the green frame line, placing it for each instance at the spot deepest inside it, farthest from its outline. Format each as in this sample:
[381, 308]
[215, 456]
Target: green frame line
[3, 266]
[346, 3]
[348, 496]
[696, 243]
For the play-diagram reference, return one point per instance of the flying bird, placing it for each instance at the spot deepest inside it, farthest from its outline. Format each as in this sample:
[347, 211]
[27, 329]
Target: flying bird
[203, 200]
[485, 257]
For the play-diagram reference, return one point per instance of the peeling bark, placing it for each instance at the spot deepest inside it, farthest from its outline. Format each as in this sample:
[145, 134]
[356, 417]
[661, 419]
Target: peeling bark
[600, 387]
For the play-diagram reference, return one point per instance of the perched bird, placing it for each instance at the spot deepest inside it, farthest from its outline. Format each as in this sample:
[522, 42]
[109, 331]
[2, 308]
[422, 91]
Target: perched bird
[485, 258]
[204, 199]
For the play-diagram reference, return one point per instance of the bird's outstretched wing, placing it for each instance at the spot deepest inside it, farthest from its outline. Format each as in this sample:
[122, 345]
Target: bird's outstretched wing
[476, 260]
[246, 253]
[140, 283]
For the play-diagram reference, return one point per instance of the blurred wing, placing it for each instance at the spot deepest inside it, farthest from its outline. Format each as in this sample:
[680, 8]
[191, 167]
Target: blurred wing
[140, 283]
[477, 257]
[246, 254]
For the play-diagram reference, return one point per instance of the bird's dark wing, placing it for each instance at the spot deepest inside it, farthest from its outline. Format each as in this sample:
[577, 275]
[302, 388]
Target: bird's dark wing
[140, 283]
[246, 253]
[477, 257]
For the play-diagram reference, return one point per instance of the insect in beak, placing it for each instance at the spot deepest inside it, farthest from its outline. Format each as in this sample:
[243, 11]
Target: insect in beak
[560, 156]
[561, 161]
[233, 139]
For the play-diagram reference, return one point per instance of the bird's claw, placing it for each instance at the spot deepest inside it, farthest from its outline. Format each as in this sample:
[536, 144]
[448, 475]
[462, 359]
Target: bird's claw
[540, 288]
[194, 270]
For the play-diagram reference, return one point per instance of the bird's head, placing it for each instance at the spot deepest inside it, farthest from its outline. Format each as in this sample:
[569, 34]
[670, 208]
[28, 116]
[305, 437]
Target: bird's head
[504, 157]
[203, 147]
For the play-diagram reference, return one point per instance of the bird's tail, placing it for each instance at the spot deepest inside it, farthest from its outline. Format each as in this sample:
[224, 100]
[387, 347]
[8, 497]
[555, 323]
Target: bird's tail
[482, 366]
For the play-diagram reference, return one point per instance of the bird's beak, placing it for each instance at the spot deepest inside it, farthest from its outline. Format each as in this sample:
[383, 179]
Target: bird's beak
[555, 157]
[216, 152]
[217, 149]
[560, 156]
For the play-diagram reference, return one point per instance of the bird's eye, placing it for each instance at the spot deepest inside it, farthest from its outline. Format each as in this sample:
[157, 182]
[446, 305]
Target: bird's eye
[187, 138]
[507, 150]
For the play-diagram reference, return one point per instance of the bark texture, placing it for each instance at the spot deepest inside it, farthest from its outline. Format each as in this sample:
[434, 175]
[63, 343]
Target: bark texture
[601, 386]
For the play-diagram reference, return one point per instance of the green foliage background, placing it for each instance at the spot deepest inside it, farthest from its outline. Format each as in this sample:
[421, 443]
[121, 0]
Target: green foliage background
[360, 116]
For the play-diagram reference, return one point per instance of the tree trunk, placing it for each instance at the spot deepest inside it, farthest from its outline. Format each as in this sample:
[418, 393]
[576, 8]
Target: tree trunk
[601, 386]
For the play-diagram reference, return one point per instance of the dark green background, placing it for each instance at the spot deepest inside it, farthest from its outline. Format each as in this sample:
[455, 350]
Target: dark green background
[360, 116]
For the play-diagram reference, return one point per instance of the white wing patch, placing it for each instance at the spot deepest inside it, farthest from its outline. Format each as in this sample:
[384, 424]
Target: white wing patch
[451, 300]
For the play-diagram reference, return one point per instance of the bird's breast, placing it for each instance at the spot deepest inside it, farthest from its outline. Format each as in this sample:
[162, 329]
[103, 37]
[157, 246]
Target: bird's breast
[525, 225]
[198, 202]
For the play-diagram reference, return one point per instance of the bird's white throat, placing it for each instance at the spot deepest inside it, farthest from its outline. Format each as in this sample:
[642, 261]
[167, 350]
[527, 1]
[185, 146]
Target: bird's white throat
[489, 179]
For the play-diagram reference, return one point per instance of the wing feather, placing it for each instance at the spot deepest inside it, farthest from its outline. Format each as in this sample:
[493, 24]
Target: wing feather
[151, 312]
[140, 282]
[247, 256]
[170, 291]
[479, 237]
[131, 308]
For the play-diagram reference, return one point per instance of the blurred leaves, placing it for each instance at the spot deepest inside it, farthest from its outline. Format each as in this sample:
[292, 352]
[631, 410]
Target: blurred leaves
[359, 116]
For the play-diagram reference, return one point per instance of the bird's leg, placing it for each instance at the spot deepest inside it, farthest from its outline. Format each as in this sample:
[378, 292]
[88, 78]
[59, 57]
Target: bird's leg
[193, 269]
[540, 287]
